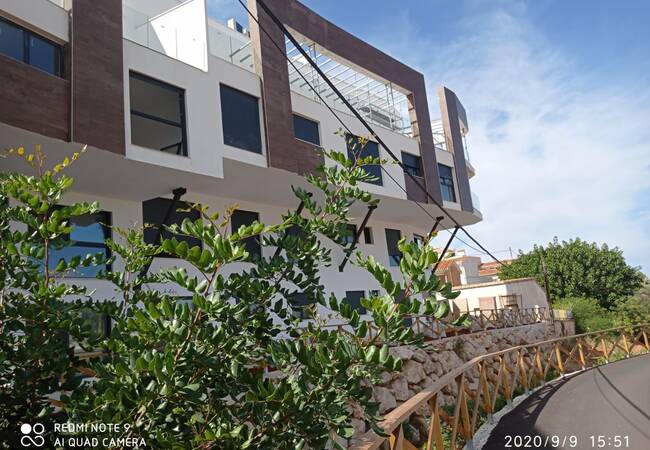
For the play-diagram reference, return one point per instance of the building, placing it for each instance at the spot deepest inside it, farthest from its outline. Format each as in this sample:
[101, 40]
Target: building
[482, 290]
[165, 97]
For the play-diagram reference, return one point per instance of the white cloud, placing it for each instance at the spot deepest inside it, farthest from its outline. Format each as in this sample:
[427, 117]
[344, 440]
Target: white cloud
[557, 150]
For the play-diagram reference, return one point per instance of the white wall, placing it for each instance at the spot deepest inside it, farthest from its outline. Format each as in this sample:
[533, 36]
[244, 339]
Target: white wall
[127, 214]
[206, 149]
[531, 293]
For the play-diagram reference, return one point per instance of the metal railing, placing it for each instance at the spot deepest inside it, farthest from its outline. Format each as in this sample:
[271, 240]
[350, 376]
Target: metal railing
[479, 320]
[464, 398]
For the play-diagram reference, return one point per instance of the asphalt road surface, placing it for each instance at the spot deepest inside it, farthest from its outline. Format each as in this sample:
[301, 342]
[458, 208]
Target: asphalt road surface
[606, 407]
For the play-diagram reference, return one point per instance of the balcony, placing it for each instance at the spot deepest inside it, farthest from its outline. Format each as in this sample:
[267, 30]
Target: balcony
[229, 44]
[178, 32]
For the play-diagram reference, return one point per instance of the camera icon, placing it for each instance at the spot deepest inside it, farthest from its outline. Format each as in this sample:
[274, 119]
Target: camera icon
[32, 435]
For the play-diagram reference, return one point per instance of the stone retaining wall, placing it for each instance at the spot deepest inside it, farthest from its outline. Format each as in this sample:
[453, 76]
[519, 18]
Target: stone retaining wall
[423, 366]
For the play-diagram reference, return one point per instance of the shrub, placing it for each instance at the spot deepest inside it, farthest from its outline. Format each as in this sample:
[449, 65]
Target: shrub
[195, 376]
[587, 313]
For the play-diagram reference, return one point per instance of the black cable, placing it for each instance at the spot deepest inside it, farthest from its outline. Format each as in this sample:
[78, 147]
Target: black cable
[296, 44]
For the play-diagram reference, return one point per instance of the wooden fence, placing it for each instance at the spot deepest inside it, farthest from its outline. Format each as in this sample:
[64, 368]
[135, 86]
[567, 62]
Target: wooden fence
[461, 400]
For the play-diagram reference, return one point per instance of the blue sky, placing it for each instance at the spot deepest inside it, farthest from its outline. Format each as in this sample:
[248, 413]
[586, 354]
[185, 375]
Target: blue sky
[558, 101]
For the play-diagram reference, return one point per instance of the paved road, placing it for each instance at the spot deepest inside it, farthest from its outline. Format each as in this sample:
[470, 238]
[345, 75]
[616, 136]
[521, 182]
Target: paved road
[608, 401]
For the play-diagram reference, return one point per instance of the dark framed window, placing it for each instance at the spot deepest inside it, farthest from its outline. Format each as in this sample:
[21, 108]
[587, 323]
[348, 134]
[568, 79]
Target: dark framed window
[371, 148]
[412, 164]
[88, 236]
[240, 116]
[241, 218]
[392, 239]
[157, 115]
[154, 212]
[306, 129]
[299, 303]
[352, 231]
[100, 327]
[367, 235]
[447, 183]
[419, 240]
[26, 46]
[354, 300]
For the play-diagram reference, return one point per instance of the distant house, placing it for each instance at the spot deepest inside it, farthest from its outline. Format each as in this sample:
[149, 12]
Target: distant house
[482, 290]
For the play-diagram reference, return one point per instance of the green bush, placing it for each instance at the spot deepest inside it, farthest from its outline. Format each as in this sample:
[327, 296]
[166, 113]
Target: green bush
[634, 310]
[587, 313]
[193, 376]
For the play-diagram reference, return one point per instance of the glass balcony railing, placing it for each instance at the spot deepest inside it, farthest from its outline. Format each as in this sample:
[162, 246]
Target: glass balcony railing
[164, 34]
[234, 48]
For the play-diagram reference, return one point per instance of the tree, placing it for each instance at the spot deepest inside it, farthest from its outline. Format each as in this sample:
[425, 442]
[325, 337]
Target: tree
[635, 309]
[196, 375]
[578, 269]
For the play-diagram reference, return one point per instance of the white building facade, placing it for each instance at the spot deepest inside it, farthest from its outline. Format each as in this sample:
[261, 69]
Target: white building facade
[167, 98]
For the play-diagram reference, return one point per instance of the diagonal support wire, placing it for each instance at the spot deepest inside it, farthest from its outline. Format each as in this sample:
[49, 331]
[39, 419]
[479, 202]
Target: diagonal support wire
[435, 225]
[278, 249]
[453, 235]
[178, 193]
[355, 240]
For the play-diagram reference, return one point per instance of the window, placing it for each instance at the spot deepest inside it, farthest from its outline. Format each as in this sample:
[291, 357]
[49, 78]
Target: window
[154, 212]
[370, 149]
[157, 115]
[419, 240]
[99, 324]
[88, 236]
[240, 116]
[354, 300]
[352, 231]
[23, 45]
[392, 238]
[447, 183]
[306, 129]
[367, 235]
[299, 303]
[412, 164]
[241, 218]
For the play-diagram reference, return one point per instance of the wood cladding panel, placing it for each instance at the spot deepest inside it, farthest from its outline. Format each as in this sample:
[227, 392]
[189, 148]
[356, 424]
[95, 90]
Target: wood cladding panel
[97, 67]
[34, 100]
[449, 106]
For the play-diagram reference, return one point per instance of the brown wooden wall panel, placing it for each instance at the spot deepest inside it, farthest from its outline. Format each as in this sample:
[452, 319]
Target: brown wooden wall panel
[452, 114]
[413, 192]
[272, 67]
[34, 100]
[97, 69]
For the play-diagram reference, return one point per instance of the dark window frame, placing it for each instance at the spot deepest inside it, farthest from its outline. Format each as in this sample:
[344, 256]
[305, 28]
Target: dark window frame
[306, 119]
[27, 34]
[356, 305]
[299, 302]
[409, 167]
[252, 244]
[394, 254]
[447, 184]
[352, 232]
[368, 237]
[181, 147]
[180, 204]
[106, 228]
[259, 146]
[351, 139]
